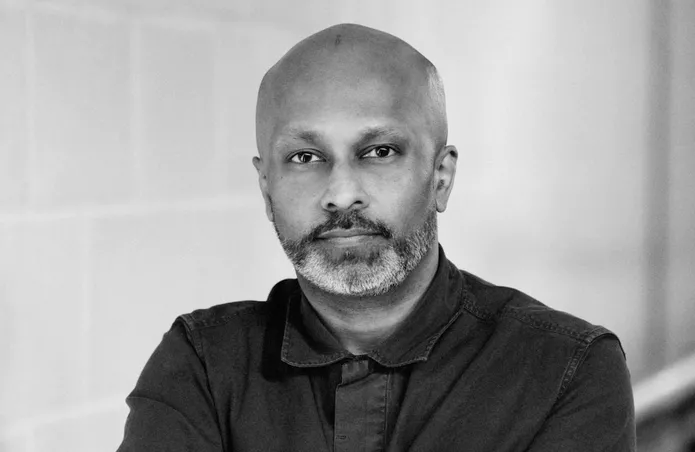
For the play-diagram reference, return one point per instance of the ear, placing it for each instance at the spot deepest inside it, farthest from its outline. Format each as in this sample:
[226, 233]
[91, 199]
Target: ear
[444, 174]
[263, 184]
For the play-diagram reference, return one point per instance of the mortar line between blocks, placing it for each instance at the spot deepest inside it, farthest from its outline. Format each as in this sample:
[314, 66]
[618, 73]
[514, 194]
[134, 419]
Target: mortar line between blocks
[222, 115]
[214, 204]
[83, 11]
[30, 113]
[136, 105]
[86, 308]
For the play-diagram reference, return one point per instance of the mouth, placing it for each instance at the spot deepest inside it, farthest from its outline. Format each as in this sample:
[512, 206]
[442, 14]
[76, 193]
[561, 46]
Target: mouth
[351, 234]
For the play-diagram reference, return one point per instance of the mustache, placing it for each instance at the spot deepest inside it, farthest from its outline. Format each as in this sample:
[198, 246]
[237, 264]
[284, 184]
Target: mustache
[348, 220]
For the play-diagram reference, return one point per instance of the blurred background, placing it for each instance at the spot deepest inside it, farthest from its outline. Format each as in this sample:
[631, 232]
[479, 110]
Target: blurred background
[127, 194]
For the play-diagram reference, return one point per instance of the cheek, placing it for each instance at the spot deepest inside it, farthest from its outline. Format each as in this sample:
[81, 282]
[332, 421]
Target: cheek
[294, 207]
[403, 200]
[418, 206]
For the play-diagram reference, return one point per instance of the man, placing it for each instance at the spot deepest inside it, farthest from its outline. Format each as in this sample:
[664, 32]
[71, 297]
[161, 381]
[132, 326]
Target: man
[380, 343]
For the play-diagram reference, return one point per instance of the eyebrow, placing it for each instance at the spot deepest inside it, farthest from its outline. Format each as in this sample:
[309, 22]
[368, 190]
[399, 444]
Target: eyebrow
[366, 135]
[372, 133]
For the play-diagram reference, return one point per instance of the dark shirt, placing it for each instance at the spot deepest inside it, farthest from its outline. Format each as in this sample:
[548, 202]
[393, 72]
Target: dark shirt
[474, 367]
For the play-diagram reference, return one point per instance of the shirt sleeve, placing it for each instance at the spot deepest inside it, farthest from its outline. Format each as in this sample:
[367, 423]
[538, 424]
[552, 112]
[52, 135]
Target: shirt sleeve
[596, 411]
[171, 407]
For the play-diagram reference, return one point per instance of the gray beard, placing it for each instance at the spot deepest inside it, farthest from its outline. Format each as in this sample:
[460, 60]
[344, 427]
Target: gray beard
[362, 275]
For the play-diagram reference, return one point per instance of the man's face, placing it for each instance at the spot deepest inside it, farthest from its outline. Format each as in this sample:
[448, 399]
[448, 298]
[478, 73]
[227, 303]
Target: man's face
[349, 184]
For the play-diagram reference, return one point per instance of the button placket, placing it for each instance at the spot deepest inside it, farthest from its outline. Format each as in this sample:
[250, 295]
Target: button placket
[360, 408]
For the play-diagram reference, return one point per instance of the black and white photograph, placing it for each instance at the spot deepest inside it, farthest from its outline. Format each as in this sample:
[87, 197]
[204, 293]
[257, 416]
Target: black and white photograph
[279, 226]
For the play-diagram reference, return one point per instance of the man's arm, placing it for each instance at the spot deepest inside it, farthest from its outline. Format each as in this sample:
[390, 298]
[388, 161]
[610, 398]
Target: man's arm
[171, 408]
[596, 411]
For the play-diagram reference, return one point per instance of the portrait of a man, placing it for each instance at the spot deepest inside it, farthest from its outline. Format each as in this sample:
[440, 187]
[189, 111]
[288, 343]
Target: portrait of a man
[381, 343]
[453, 225]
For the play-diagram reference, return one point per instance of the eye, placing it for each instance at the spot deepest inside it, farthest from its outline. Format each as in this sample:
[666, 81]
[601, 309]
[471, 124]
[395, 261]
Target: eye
[304, 157]
[380, 152]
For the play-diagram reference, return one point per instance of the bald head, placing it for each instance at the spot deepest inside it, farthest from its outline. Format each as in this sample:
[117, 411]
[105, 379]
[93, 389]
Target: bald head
[355, 70]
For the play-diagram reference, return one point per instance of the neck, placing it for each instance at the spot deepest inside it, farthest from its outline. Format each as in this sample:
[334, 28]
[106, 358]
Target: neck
[361, 323]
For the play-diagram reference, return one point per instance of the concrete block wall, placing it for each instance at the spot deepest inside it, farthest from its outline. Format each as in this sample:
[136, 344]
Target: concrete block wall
[127, 194]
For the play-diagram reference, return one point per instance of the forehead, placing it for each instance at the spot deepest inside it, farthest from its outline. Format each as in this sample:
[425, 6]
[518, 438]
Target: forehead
[347, 106]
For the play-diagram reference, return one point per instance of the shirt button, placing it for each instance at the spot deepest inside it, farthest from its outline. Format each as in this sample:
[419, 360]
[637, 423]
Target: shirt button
[341, 437]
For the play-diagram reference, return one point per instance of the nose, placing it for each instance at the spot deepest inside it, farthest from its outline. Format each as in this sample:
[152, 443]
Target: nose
[344, 190]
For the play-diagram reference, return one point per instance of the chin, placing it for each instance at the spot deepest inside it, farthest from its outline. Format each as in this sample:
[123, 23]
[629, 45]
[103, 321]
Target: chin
[355, 274]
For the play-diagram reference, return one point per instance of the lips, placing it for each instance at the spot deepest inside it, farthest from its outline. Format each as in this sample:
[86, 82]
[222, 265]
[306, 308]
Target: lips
[346, 233]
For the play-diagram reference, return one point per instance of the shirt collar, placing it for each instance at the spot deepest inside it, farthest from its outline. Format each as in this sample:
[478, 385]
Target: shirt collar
[308, 343]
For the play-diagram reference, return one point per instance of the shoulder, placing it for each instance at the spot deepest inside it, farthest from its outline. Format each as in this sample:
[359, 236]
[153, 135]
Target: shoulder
[237, 327]
[548, 344]
[516, 310]
[223, 314]
[245, 313]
